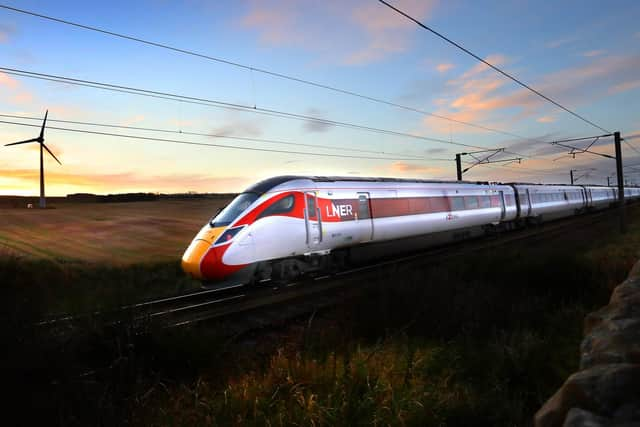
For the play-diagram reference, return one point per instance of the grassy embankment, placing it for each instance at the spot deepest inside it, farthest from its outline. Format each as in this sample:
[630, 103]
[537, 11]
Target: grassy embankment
[477, 341]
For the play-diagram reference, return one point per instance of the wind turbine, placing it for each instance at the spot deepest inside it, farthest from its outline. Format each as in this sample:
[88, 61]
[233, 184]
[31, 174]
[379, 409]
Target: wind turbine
[40, 139]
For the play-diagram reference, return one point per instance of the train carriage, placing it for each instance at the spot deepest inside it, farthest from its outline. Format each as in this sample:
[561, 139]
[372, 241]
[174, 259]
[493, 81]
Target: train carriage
[290, 225]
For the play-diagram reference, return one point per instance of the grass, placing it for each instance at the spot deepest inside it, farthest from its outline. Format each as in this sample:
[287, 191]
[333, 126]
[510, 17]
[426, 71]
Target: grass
[106, 233]
[480, 341]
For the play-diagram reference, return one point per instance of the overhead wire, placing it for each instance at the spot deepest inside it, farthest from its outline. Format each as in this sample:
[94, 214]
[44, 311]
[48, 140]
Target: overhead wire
[221, 104]
[257, 69]
[211, 135]
[504, 73]
[175, 141]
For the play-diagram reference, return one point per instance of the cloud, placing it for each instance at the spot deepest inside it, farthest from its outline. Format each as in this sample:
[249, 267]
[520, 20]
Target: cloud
[560, 42]
[14, 179]
[624, 87]
[402, 167]
[546, 119]
[443, 68]
[314, 125]
[138, 118]
[15, 93]
[235, 126]
[8, 81]
[436, 150]
[480, 96]
[6, 32]
[350, 33]
[593, 53]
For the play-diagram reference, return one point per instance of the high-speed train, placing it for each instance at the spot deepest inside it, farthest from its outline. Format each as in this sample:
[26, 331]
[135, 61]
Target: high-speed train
[286, 226]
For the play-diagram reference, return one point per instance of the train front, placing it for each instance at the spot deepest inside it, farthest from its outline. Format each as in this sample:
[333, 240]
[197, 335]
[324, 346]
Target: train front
[203, 259]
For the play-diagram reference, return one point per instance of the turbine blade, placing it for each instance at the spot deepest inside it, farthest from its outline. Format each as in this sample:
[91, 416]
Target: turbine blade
[22, 142]
[53, 155]
[44, 123]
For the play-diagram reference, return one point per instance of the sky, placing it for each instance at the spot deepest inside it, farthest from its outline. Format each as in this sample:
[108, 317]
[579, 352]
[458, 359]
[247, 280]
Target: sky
[583, 54]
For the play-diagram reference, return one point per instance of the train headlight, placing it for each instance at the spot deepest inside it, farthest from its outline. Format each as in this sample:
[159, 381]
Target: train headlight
[228, 235]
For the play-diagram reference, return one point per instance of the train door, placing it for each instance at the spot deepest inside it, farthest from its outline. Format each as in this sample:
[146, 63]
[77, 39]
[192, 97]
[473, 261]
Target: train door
[503, 208]
[528, 198]
[364, 221]
[312, 220]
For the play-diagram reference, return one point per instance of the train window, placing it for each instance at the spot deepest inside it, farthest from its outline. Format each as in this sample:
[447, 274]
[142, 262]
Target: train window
[233, 210]
[495, 201]
[363, 207]
[311, 206]
[279, 207]
[471, 202]
[485, 202]
[457, 204]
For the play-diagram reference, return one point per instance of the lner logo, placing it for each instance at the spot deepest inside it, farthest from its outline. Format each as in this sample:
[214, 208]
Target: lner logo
[340, 210]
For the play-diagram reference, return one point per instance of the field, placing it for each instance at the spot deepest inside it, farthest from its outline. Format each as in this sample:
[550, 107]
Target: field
[106, 233]
[483, 340]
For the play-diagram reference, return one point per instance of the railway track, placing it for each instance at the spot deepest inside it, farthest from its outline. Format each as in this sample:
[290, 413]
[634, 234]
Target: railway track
[269, 303]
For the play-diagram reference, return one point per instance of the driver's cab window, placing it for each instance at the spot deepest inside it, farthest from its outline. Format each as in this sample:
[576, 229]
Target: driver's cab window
[279, 207]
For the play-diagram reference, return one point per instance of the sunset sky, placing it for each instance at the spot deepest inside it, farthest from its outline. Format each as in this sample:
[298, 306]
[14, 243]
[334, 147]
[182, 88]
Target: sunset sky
[584, 54]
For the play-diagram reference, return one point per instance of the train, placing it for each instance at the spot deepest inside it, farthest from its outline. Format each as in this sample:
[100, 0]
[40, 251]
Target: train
[286, 227]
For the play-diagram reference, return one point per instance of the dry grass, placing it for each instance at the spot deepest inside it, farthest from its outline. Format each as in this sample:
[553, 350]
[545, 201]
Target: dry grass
[113, 233]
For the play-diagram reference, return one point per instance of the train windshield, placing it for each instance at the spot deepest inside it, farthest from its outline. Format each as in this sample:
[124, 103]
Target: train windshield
[233, 209]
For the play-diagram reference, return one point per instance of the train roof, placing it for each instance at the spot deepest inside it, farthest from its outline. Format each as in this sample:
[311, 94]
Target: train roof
[270, 183]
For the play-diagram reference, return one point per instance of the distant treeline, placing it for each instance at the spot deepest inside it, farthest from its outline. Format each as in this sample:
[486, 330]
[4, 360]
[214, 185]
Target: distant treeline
[23, 201]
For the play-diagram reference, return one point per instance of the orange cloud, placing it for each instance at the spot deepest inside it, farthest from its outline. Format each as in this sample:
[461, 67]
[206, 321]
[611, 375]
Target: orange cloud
[443, 68]
[626, 86]
[138, 118]
[8, 81]
[17, 181]
[22, 98]
[546, 119]
[405, 168]
[352, 33]
[480, 93]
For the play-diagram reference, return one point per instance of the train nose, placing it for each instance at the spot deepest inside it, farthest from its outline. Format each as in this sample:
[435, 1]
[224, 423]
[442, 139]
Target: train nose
[192, 257]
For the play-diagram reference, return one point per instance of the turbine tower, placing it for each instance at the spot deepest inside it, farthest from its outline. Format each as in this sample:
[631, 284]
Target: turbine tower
[40, 139]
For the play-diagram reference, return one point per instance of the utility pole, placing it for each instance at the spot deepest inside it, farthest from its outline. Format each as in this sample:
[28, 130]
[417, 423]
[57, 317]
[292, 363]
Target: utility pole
[571, 175]
[479, 160]
[608, 183]
[619, 173]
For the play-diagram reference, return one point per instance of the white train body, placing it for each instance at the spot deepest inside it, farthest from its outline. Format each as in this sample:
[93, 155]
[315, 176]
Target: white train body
[298, 218]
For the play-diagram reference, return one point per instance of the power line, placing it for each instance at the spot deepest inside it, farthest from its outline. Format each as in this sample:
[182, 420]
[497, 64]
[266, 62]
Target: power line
[239, 138]
[258, 70]
[235, 147]
[220, 104]
[509, 76]
[631, 146]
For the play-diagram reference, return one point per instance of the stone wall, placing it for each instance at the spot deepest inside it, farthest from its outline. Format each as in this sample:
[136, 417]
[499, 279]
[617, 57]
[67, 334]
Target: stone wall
[606, 390]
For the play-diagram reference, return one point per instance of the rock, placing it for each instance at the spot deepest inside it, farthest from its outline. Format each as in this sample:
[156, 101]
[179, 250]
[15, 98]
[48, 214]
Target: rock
[606, 392]
[628, 292]
[635, 270]
[600, 389]
[612, 341]
[577, 417]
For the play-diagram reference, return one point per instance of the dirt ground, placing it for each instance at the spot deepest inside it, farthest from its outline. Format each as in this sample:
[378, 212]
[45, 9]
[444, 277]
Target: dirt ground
[117, 233]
